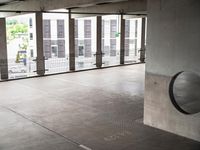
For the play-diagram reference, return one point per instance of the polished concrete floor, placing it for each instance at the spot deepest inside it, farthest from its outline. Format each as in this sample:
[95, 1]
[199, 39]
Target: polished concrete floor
[92, 110]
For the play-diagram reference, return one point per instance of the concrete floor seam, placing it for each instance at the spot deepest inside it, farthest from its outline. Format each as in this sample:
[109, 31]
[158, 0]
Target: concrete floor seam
[66, 138]
[103, 110]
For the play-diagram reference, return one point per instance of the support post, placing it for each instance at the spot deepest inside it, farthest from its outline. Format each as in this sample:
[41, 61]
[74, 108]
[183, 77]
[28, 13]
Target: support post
[39, 39]
[142, 50]
[98, 41]
[71, 43]
[3, 50]
[122, 40]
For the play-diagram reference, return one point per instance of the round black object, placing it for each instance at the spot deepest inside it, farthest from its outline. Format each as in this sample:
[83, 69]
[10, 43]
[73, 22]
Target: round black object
[184, 91]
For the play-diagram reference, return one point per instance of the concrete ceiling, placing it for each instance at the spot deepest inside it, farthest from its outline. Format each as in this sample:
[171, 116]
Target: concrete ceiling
[87, 6]
[5, 1]
[35, 5]
[8, 2]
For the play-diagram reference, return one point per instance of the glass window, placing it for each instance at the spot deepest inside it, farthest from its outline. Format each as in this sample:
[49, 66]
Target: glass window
[31, 36]
[21, 45]
[30, 22]
[132, 40]
[55, 42]
[85, 44]
[110, 40]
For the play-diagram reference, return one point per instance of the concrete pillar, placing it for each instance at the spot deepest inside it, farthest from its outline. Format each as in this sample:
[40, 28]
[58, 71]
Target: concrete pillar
[98, 41]
[142, 50]
[71, 43]
[122, 39]
[39, 41]
[3, 50]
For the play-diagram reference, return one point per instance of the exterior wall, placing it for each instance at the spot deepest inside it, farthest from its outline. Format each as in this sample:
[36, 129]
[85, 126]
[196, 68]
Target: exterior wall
[133, 36]
[110, 42]
[55, 31]
[172, 46]
[84, 36]
[32, 28]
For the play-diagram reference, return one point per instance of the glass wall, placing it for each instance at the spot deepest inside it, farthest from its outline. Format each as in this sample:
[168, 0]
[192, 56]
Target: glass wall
[110, 40]
[21, 46]
[132, 40]
[85, 44]
[55, 42]
[21, 43]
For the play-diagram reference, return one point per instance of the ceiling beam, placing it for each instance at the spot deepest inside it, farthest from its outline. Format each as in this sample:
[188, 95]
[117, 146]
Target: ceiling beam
[36, 5]
[100, 8]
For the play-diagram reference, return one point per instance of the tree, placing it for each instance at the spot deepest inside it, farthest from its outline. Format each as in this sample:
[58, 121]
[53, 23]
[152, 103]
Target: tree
[14, 29]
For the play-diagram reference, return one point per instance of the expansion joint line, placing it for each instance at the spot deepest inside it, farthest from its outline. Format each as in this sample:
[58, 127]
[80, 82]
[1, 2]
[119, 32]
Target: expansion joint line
[66, 138]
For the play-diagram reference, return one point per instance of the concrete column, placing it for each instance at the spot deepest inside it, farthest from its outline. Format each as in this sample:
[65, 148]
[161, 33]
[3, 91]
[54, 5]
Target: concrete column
[3, 50]
[142, 50]
[122, 40]
[71, 43]
[98, 41]
[39, 41]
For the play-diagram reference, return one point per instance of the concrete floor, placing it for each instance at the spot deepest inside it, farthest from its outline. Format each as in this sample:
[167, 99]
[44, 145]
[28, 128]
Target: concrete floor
[100, 109]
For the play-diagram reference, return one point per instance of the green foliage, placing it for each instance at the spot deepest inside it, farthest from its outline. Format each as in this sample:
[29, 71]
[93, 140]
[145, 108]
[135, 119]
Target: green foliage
[17, 58]
[11, 22]
[18, 30]
[24, 45]
[117, 34]
[14, 29]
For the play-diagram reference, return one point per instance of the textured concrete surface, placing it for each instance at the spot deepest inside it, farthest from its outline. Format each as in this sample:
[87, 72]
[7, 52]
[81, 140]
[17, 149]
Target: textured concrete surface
[85, 6]
[159, 111]
[184, 92]
[100, 109]
[172, 46]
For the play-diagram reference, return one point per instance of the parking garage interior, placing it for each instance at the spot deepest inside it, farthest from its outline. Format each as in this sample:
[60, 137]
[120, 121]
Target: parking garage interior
[99, 75]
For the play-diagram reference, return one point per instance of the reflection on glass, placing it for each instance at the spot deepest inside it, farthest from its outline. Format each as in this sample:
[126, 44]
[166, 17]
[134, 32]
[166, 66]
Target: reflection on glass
[132, 39]
[110, 40]
[55, 42]
[21, 45]
[85, 44]
[184, 92]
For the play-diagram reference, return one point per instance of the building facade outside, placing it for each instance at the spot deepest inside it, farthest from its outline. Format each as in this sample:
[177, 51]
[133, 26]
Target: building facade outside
[22, 51]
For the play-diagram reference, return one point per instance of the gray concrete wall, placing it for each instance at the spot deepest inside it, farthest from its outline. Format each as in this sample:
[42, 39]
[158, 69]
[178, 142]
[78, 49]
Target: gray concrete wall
[173, 45]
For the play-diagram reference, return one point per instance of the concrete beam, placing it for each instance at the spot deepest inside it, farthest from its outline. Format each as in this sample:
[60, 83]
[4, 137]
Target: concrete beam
[53, 4]
[122, 40]
[39, 39]
[3, 50]
[143, 37]
[83, 15]
[133, 6]
[134, 16]
[71, 43]
[98, 41]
